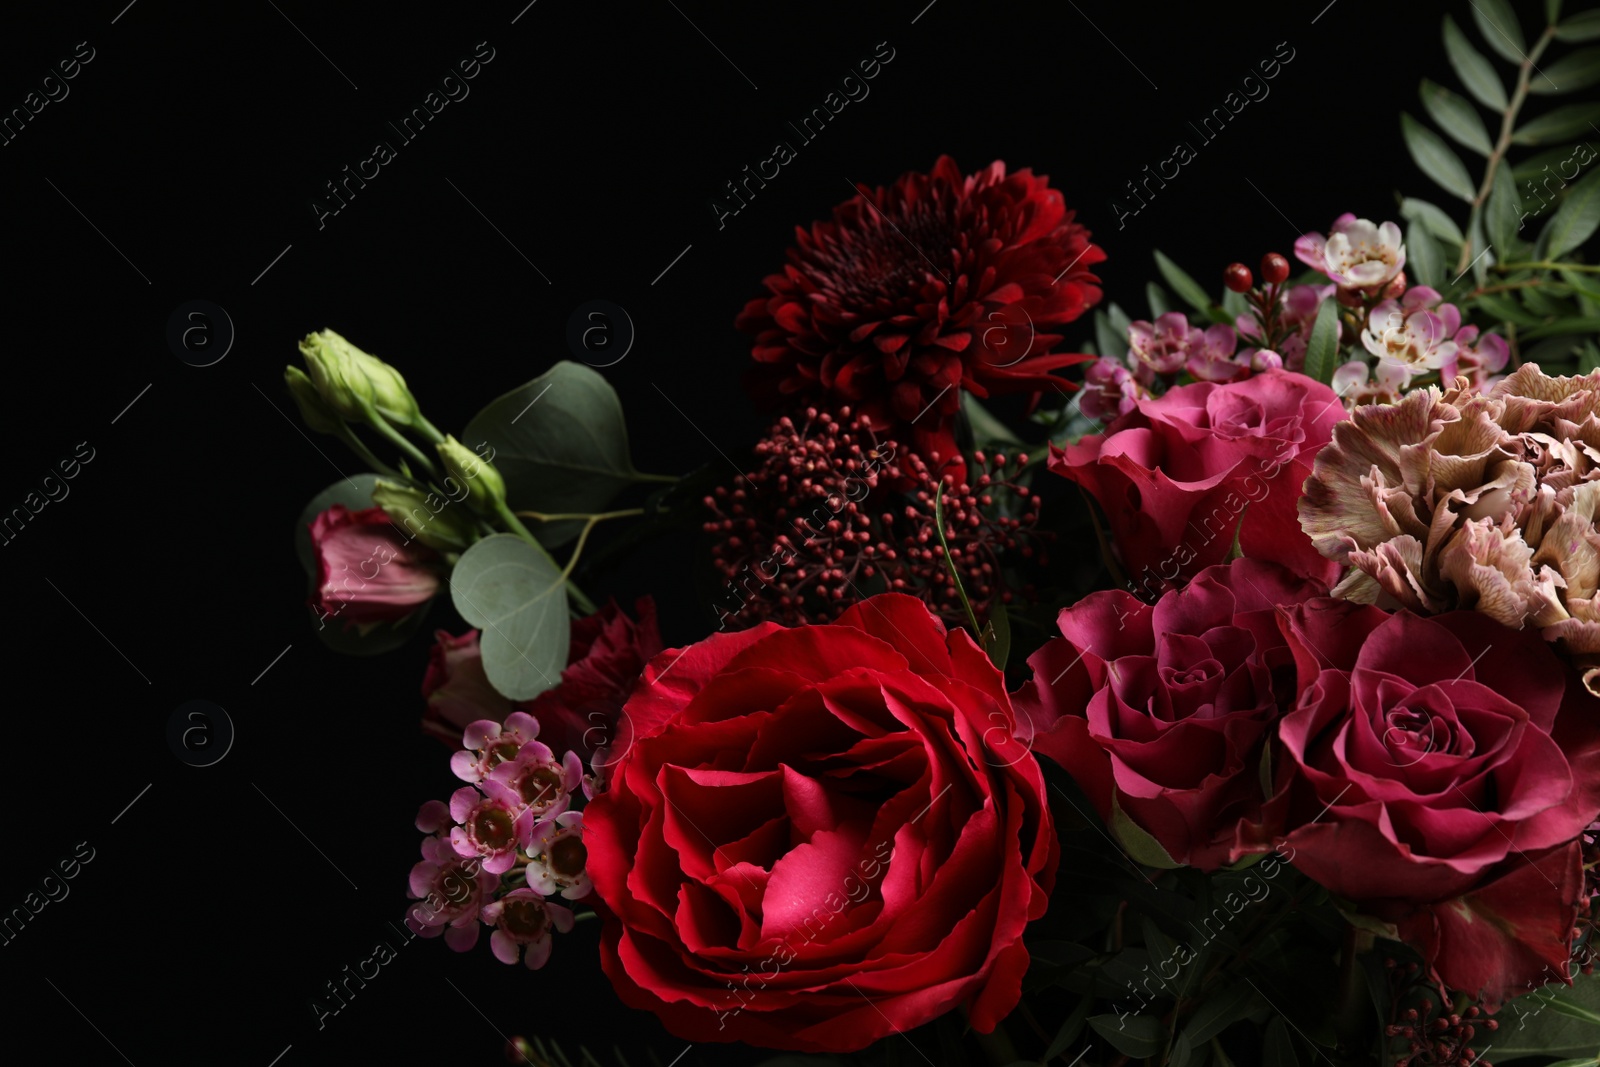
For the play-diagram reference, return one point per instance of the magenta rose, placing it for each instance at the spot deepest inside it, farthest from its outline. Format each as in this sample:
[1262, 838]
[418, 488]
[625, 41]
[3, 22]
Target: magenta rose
[1181, 474]
[367, 571]
[1438, 772]
[581, 713]
[1162, 713]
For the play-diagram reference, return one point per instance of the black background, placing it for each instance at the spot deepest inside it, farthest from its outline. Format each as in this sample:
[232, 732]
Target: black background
[195, 141]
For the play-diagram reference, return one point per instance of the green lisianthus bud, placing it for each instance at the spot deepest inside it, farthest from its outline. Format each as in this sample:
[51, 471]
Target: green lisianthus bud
[313, 411]
[353, 382]
[427, 517]
[486, 489]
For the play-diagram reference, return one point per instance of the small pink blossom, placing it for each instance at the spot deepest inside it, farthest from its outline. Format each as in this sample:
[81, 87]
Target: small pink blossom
[1357, 390]
[1170, 344]
[1402, 334]
[1108, 391]
[541, 783]
[1356, 254]
[488, 744]
[557, 858]
[491, 824]
[524, 919]
[1479, 358]
[451, 891]
[1298, 307]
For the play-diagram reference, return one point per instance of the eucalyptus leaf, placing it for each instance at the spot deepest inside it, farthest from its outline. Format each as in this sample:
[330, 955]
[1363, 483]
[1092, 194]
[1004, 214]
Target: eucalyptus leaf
[1561, 124]
[1322, 348]
[1423, 257]
[1186, 287]
[1433, 218]
[1579, 70]
[1498, 24]
[1435, 159]
[1136, 1036]
[515, 594]
[1456, 116]
[561, 444]
[1474, 70]
[1583, 26]
[1577, 218]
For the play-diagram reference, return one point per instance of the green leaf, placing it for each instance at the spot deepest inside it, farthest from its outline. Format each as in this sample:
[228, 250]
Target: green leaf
[1136, 1036]
[561, 444]
[1456, 116]
[1277, 1050]
[1186, 287]
[1504, 214]
[514, 593]
[1158, 300]
[1552, 1021]
[1576, 324]
[1220, 1010]
[1498, 24]
[1106, 341]
[1579, 70]
[1584, 26]
[1561, 124]
[1475, 72]
[986, 429]
[997, 635]
[1069, 1030]
[1234, 304]
[354, 493]
[1119, 324]
[1322, 348]
[1433, 218]
[367, 641]
[1589, 359]
[1575, 221]
[1137, 841]
[1552, 11]
[1423, 257]
[1434, 158]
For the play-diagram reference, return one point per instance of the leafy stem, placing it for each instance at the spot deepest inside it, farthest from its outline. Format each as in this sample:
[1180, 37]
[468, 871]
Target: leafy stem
[950, 564]
[1508, 122]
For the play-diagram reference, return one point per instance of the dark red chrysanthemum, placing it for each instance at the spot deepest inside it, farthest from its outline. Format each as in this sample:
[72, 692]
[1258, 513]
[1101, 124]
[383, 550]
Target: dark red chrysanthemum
[936, 282]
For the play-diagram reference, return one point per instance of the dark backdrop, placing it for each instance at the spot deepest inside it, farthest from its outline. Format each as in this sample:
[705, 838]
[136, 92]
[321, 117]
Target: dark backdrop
[183, 163]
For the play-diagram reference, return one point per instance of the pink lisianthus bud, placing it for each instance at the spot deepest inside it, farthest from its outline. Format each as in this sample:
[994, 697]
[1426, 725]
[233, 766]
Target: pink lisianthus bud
[367, 572]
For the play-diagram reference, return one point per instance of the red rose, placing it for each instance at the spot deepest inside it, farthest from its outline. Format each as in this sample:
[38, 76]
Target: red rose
[821, 835]
[941, 282]
[1181, 473]
[1162, 713]
[367, 571]
[581, 713]
[1438, 773]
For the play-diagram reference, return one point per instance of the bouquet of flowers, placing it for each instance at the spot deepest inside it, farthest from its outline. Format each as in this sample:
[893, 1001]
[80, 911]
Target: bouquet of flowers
[1232, 696]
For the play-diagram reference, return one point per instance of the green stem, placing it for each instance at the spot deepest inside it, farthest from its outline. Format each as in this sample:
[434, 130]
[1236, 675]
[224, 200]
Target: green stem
[579, 597]
[592, 516]
[428, 429]
[950, 564]
[1545, 264]
[379, 423]
[356, 445]
[639, 476]
[1508, 122]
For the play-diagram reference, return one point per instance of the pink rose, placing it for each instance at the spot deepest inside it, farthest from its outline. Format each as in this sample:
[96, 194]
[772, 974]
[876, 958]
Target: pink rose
[1162, 713]
[367, 572]
[1182, 474]
[1438, 772]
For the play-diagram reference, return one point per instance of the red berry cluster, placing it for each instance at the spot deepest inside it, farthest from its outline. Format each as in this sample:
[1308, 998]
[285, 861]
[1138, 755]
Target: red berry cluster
[831, 515]
[1441, 1031]
[1265, 303]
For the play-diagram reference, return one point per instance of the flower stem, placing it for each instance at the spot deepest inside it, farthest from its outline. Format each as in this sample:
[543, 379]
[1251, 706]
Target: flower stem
[1508, 121]
[593, 516]
[640, 476]
[356, 445]
[1545, 264]
[396, 438]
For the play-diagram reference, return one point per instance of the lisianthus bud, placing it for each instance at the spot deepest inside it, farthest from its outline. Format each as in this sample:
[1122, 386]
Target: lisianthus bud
[428, 517]
[354, 383]
[313, 411]
[486, 489]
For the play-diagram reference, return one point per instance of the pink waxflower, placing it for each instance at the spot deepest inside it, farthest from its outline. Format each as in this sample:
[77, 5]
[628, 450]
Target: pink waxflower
[1404, 333]
[1357, 253]
[541, 783]
[492, 821]
[489, 744]
[451, 891]
[1170, 344]
[1108, 391]
[1478, 357]
[367, 572]
[1356, 389]
[1298, 306]
[522, 918]
[1211, 355]
[557, 858]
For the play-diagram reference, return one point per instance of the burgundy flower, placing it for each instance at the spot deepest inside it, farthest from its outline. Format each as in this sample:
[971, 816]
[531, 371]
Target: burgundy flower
[1161, 713]
[1438, 772]
[936, 284]
[580, 714]
[367, 572]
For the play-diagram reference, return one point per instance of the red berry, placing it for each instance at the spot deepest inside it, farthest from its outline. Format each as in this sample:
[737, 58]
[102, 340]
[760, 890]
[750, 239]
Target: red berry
[1237, 277]
[1274, 268]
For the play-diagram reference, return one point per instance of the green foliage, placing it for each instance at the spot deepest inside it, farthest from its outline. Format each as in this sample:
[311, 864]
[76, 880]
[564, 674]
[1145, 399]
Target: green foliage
[516, 595]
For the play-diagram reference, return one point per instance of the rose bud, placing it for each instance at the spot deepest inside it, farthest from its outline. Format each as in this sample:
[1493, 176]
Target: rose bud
[486, 489]
[367, 572]
[356, 384]
[426, 517]
[317, 415]
[1274, 268]
[1237, 277]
